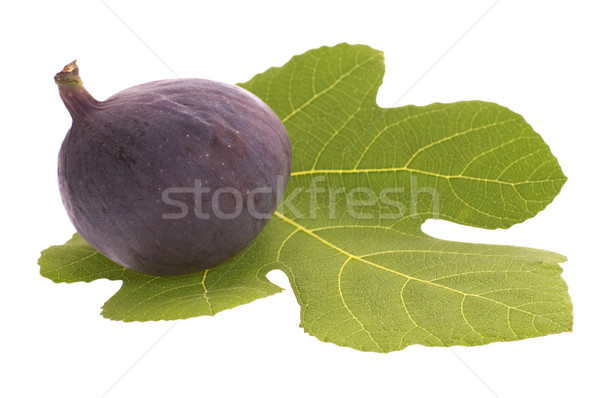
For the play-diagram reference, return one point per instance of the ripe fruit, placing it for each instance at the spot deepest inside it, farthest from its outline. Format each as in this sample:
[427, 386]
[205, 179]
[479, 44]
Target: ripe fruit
[173, 176]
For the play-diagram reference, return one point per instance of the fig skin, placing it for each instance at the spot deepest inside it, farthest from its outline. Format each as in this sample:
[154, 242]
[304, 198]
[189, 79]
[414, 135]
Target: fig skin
[131, 166]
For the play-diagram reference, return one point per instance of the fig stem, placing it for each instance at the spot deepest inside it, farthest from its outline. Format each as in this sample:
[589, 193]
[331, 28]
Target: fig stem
[69, 74]
[77, 99]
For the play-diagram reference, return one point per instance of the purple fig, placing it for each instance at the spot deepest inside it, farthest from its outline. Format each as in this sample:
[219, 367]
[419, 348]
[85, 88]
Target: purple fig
[173, 176]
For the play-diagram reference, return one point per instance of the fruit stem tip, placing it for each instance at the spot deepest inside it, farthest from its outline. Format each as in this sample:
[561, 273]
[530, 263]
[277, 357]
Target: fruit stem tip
[69, 74]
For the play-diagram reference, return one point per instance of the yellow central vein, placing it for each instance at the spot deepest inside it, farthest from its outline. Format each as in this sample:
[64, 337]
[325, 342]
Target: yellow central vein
[331, 87]
[408, 169]
[423, 281]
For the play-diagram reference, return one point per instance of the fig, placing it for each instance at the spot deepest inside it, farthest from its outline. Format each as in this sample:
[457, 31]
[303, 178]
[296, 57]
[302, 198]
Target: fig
[173, 176]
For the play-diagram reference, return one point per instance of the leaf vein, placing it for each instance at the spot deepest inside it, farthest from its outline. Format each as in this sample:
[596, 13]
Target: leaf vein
[342, 251]
[326, 90]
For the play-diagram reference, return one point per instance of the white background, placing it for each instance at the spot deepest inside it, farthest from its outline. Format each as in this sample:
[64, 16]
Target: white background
[539, 58]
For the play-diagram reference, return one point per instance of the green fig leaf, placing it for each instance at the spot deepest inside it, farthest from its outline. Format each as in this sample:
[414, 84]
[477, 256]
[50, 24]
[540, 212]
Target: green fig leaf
[152, 298]
[348, 232]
